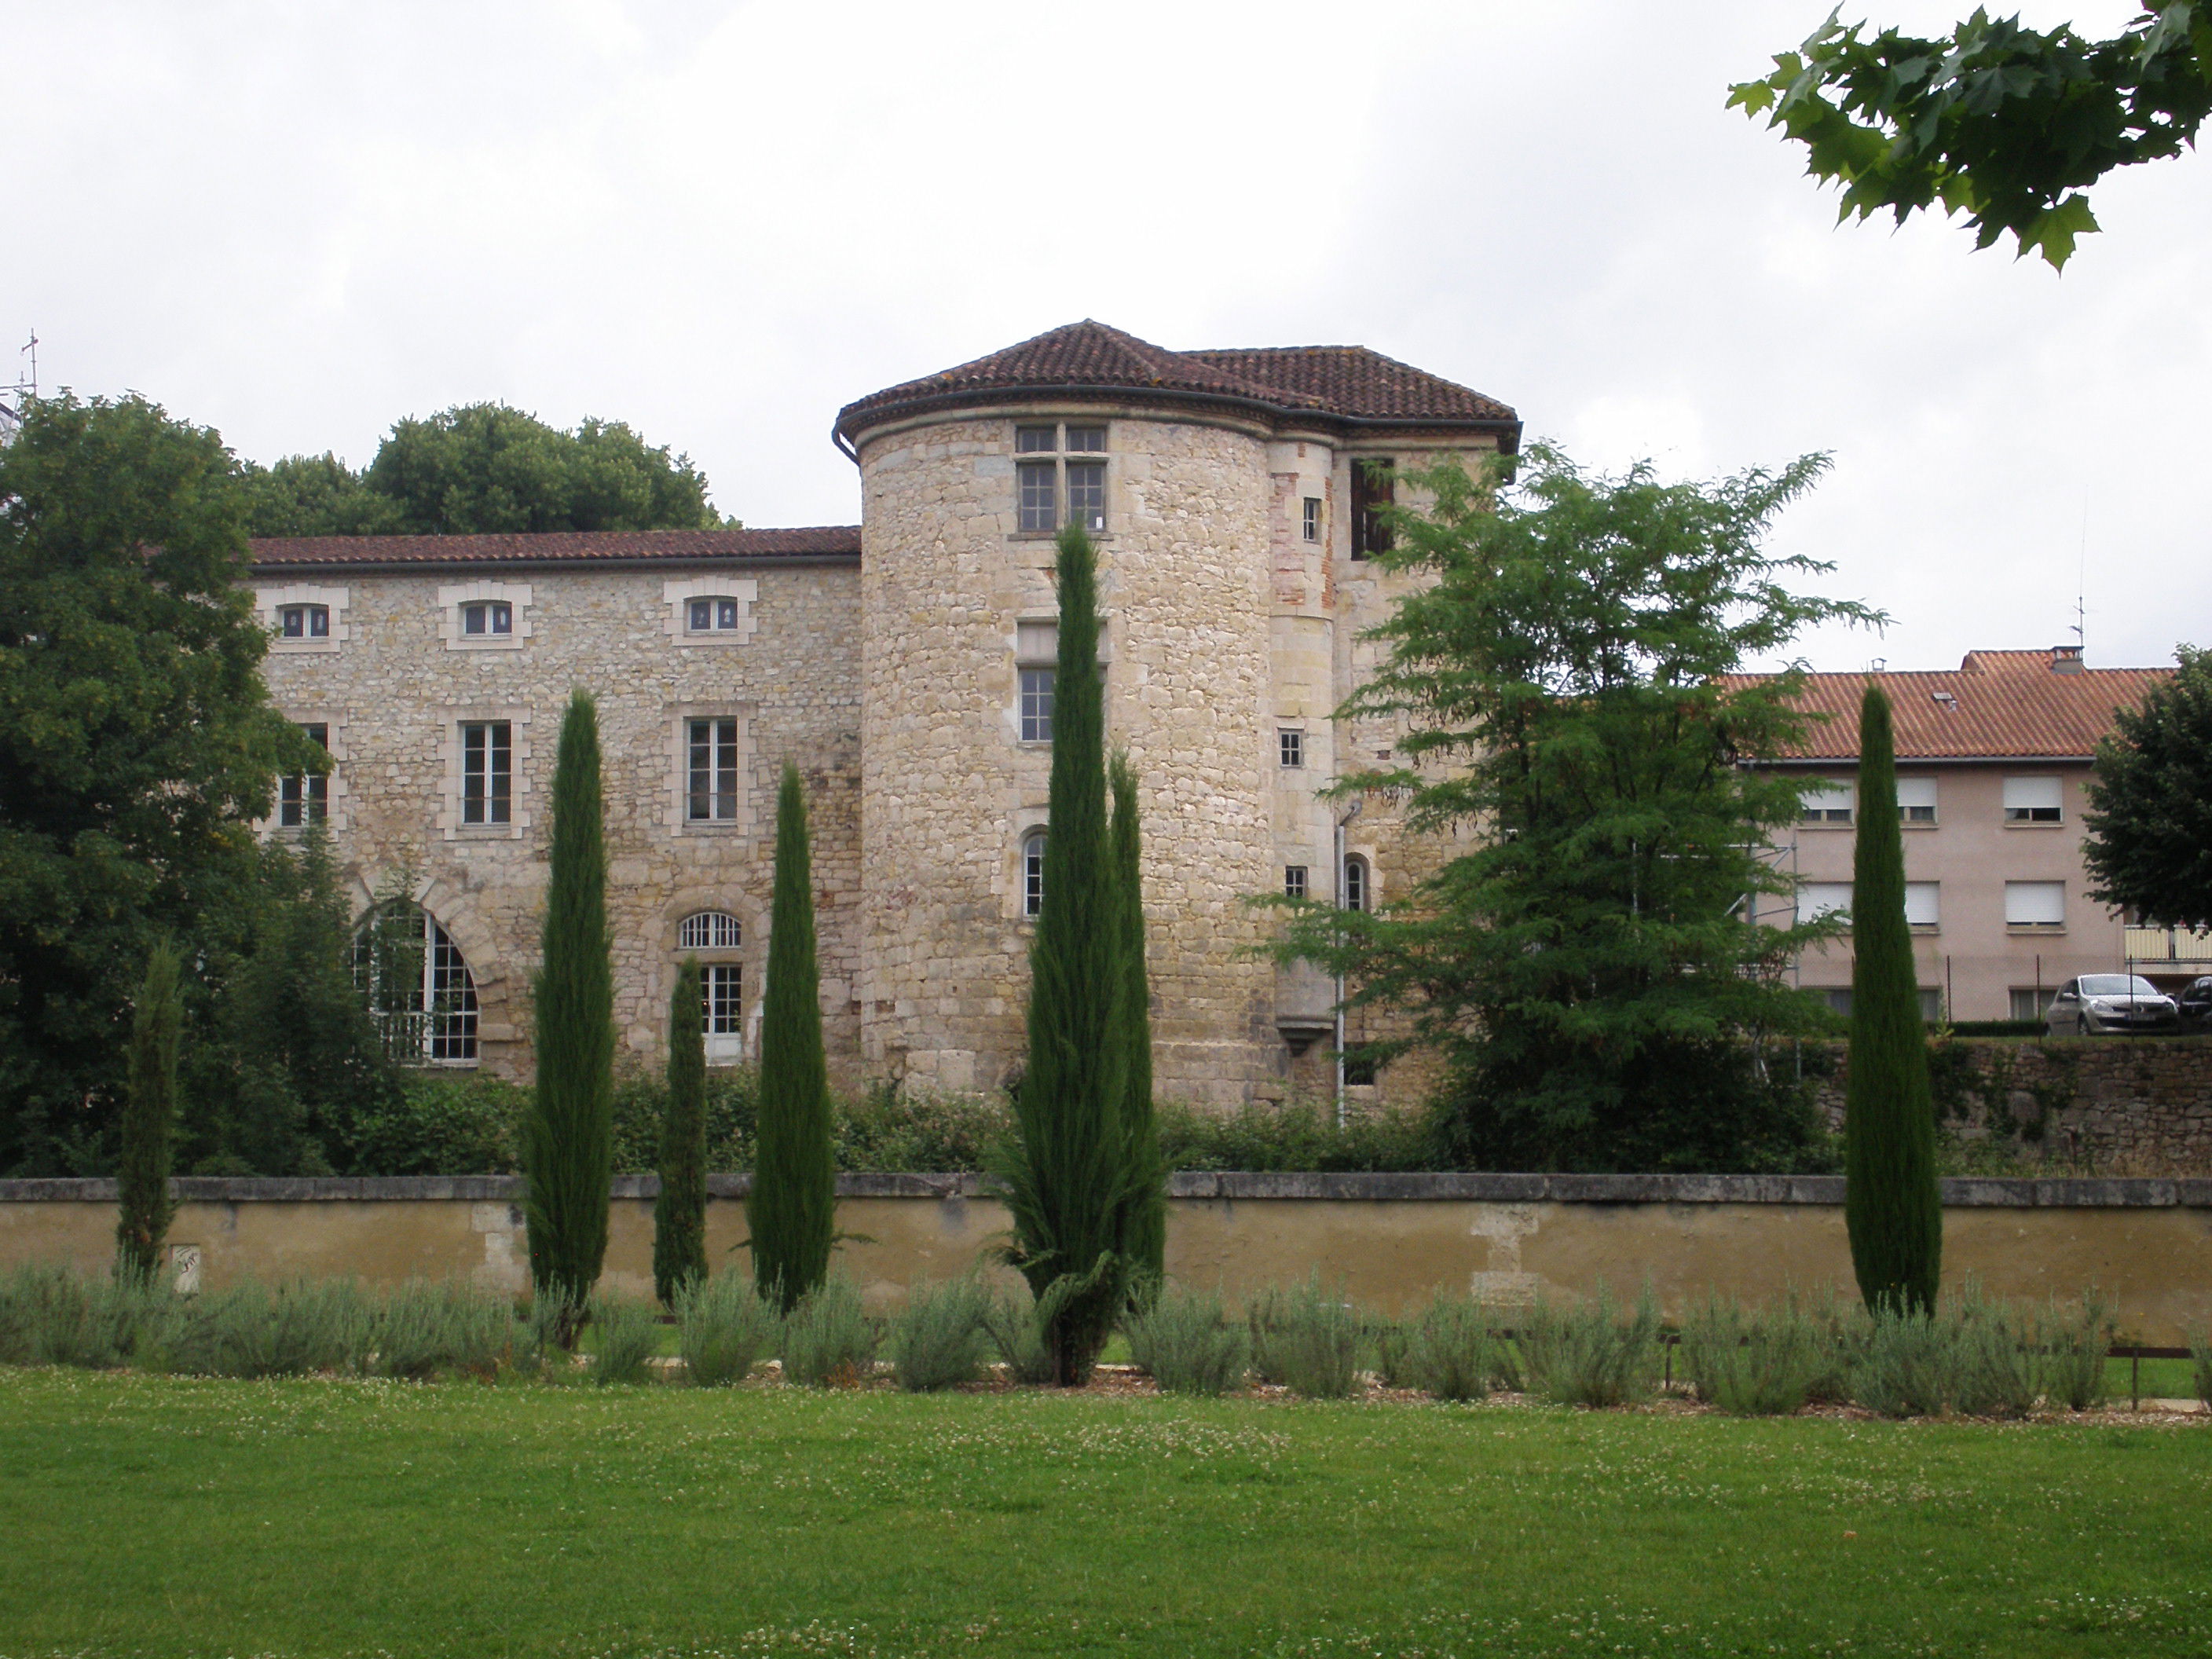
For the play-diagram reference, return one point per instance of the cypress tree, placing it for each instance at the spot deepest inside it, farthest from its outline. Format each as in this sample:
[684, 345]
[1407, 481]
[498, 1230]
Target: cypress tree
[792, 1208]
[1071, 1179]
[149, 1114]
[1892, 1205]
[569, 1136]
[1148, 1220]
[679, 1214]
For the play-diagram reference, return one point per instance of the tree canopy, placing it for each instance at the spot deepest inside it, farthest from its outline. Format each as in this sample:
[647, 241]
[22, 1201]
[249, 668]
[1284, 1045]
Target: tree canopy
[137, 747]
[1994, 120]
[2149, 845]
[1586, 967]
[485, 468]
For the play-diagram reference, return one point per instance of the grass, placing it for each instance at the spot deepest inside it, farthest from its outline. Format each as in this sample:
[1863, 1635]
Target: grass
[161, 1516]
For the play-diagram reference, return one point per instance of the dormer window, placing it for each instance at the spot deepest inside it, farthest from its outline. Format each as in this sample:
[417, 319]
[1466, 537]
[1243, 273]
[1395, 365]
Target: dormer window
[486, 618]
[714, 614]
[303, 621]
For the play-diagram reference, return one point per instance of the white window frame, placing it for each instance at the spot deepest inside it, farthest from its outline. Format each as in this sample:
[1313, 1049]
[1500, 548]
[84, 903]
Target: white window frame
[679, 819]
[1816, 899]
[1823, 798]
[459, 1030]
[1297, 881]
[520, 753]
[716, 937]
[1291, 748]
[484, 745]
[1357, 891]
[1915, 794]
[724, 772]
[677, 595]
[309, 791]
[2038, 801]
[1923, 906]
[273, 602]
[1030, 873]
[2027, 905]
[454, 596]
[1312, 520]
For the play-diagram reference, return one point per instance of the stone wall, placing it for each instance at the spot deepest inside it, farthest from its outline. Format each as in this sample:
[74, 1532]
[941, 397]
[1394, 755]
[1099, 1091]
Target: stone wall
[397, 681]
[1391, 1241]
[2132, 1105]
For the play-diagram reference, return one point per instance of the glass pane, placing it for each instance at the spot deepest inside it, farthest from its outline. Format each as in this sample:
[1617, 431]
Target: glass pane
[1033, 874]
[1092, 438]
[1029, 440]
[723, 992]
[293, 621]
[319, 622]
[1038, 505]
[472, 619]
[1036, 704]
[1086, 494]
[726, 613]
[502, 774]
[503, 619]
[702, 615]
[1294, 881]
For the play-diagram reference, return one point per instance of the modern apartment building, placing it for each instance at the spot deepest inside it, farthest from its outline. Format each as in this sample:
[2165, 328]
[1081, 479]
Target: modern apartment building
[1991, 761]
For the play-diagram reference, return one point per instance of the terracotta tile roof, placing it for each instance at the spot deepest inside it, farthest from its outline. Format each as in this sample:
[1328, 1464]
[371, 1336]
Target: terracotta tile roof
[559, 547]
[1995, 704]
[1339, 383]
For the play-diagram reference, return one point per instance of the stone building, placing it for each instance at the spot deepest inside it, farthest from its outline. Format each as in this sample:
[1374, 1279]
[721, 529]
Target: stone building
[905, 665]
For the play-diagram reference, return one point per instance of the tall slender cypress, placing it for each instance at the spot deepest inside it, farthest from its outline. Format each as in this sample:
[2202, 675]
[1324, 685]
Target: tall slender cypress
[1893, 1204]
[1072, 1183]
[793, 1209]
[149, 1116]
[1148, 1219]
[569, 1136]
[679, 1213]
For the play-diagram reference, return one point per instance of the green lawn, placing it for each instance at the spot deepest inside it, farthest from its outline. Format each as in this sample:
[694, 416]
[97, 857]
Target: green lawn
[143, 1515]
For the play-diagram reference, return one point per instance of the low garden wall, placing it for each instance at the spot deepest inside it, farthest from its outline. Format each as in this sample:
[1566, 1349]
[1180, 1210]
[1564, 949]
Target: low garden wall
[1390, 1240]
[2131, 1104]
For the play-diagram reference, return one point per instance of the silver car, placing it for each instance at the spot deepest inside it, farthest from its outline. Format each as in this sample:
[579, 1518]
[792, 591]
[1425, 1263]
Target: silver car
[2098, 1003]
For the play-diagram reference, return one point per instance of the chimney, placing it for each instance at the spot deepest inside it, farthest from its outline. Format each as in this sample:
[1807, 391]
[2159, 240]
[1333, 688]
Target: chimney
[2066, 659]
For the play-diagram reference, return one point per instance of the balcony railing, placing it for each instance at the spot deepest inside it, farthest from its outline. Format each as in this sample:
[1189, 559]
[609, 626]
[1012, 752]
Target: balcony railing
[2152, 944]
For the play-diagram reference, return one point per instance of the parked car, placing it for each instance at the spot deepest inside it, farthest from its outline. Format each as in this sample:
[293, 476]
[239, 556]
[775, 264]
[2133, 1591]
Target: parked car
[2096, 1004]
[2195, 1004]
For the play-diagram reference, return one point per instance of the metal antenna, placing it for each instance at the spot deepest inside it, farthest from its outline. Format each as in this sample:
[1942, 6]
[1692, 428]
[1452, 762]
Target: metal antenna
[2082, 583]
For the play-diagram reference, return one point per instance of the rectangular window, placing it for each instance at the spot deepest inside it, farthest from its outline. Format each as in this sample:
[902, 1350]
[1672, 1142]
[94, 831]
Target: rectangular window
[1372, 490]
[1087, 440]
[1292, 743]
[1828, 800]
[713, 793]
[1086, 493]
[2033, 800]
[1816, 899]
[1838, 998]
[1922, 905]
[487, 772]
[2040, 904]
[1312, 524]
[2031, 1002]
[1034, 440]
[1036, 704]
[1039, 508]
[1931, 1005]
[723, 984]
[1294, 881]
[493, 616]
[1916, 800]
[306, 800]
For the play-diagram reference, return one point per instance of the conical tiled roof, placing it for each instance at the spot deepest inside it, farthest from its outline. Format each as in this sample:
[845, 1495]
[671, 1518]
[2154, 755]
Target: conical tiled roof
[1331, 383]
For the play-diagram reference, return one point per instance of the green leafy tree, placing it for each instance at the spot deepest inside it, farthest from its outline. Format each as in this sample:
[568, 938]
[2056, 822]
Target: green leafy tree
[137, 747]
[679, 1213]
[1566, 673]
[1148, 1239]
[485, 468]
[569, 1137]
[1075, 1190]
[793, 1207]
[1996, 121]
[1893, 1204]
[149, 1119]
[2149, 846]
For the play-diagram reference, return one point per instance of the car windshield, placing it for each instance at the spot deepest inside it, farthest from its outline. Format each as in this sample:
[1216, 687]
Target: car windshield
[2116, 985]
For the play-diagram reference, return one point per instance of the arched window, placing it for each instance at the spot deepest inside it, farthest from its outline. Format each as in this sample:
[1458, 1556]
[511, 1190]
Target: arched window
[1355, 884]
[722, 984]
[420, 992]
[1033, 874]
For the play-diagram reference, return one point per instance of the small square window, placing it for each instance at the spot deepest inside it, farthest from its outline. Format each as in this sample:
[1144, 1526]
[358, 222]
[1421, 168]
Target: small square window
[1292, 743]
[713, 615]
[486, 618]
[1087, 440]
[2034, 800]
[1294, 881]
[304, 622]
[1034, 440]
[1313, 518]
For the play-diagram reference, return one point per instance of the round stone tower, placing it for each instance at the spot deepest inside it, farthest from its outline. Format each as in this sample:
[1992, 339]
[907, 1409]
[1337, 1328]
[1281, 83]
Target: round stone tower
[1217, 486]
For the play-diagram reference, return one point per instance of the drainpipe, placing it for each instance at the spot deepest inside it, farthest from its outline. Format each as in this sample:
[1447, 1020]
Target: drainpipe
[1339, 891]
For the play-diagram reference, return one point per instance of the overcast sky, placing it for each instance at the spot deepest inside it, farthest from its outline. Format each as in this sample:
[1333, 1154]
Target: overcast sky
[719, 222]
